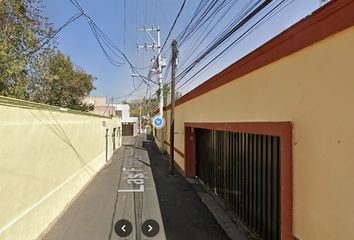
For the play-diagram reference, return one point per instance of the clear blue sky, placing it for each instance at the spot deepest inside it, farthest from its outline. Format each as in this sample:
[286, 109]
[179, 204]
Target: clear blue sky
[77, 41]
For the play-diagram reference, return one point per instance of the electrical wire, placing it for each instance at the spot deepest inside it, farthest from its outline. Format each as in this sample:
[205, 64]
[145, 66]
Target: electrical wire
[104, 41]
[203, 35]
[262, 20]
[43, 41]
[173, 25]
[171, 29]
[217, 43]
[125, 20]
[203, 16]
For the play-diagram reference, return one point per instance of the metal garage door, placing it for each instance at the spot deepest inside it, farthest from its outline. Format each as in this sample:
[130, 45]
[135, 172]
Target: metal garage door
[242, 170]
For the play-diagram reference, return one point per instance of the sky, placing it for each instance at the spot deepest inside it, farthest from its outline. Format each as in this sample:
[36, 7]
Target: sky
[119, 19]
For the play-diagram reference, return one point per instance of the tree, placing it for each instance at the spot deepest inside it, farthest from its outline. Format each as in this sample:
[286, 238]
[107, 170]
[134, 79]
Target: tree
[166, 93]
[30, 66]
[150, 105]
[178, 95]
[60, 83]
[24, 39]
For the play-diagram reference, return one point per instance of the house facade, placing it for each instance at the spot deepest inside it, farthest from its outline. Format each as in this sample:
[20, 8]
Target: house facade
[279, 153]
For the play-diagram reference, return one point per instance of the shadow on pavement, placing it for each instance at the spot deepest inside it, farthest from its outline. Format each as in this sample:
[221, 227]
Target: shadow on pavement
[184, 215]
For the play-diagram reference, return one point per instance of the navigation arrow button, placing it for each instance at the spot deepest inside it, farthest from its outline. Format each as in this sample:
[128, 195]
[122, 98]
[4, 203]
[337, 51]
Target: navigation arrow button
[150, 228]
[123, 228]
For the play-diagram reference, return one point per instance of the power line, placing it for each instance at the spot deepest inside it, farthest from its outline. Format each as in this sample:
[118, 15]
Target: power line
[171, 29]
[77, 5]
[129, 94]
[102, 38]
[217, 43]
[202, 15]
[125, 20]
[198, 10]
[44, 41]
[262, 20]
[104, 41]
[202, 37]
[174, 23]
[122, 97]
[244, 17]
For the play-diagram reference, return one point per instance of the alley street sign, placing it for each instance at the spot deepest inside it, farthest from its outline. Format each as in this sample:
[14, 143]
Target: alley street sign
[158, 122]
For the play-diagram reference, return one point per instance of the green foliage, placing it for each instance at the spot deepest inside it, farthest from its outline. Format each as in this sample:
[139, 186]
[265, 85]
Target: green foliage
[178, 95]
[30, 66]
[60, 83]
[166, 93]
[150, 105]
[21, 30]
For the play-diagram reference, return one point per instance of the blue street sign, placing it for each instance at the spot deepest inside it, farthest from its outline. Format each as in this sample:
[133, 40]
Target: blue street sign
[158, 122]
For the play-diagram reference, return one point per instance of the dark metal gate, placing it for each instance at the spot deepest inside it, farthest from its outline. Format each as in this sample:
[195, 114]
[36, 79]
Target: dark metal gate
[128, 129]
[242, 170]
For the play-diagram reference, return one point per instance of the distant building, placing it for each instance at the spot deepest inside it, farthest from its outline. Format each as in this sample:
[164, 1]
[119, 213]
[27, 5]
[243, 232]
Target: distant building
[129, 124]
[98, 105]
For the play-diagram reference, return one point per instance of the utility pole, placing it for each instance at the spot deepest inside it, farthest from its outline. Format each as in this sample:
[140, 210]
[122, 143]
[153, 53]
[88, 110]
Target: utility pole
[140, 119]
[172, 127]
[159, 63]
[158, 68]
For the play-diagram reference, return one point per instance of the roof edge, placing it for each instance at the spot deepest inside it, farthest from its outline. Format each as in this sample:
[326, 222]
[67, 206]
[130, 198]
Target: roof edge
[335, 16]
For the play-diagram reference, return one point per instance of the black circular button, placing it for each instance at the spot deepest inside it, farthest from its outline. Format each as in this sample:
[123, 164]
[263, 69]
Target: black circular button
[123, 228]
[150, 228]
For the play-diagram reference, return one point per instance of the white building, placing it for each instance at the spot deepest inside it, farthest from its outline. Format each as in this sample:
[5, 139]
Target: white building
[130, 125]
[98, 105]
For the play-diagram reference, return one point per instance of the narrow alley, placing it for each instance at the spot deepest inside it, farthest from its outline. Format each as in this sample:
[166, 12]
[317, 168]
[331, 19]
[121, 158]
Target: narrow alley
[104, 201]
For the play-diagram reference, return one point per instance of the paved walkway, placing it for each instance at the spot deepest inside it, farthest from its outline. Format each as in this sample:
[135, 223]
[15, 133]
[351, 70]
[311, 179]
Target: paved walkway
[184, 215]
[111, 197]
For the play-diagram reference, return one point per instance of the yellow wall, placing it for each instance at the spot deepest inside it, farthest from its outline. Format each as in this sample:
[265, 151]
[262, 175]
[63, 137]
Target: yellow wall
[46, 158]
[314, 89]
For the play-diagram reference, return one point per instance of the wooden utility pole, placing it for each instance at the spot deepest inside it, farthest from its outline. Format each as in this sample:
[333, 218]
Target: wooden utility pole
[172, 127]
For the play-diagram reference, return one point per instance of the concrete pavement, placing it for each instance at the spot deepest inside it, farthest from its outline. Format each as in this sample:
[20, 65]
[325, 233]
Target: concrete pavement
[123, 189]
[184, 214]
